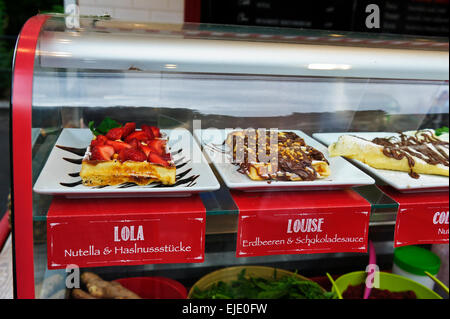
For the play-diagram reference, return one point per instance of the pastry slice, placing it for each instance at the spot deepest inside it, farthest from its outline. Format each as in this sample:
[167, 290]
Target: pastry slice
[419, 152]
[127, 155]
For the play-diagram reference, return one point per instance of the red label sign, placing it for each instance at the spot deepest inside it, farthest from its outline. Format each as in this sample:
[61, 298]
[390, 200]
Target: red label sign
[421, 225]
[107, 232]
[422, 218]
[301, 222]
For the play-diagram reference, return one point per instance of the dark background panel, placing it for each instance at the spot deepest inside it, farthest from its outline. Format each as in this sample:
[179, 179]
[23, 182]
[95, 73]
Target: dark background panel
[413, 17]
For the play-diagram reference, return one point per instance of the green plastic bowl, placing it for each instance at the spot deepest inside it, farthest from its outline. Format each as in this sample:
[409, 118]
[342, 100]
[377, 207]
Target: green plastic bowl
[388, 281]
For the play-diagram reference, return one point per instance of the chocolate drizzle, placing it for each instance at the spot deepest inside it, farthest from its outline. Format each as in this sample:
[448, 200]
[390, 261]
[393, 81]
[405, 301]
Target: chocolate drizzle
[80, 182]
[74, 174]
[288, 153]
[423, 145]
[76, 151]
[73, 160]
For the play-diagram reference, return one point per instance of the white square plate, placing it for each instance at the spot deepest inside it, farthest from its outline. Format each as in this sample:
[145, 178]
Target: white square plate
[399, 180]
[343, 174]
[59, 176]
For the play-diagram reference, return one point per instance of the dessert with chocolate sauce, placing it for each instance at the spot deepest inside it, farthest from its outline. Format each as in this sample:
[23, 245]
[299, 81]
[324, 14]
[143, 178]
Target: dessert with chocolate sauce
[273, 155]
[415, 152]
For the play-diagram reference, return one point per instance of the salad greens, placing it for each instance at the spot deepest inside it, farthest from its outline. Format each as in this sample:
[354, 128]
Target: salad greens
[104, 126]
[441, 130]
[288, 287]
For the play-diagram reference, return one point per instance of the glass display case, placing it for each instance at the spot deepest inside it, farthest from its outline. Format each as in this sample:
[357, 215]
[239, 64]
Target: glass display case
[192, 86]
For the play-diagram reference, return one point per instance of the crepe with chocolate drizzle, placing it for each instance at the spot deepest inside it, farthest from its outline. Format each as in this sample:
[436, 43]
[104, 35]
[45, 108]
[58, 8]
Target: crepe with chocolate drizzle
[415, 152]
[273, 155]
[423, 145]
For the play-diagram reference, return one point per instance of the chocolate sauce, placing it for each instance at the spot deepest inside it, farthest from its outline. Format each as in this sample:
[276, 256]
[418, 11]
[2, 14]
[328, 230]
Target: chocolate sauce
[181, 175]
[76, 151]
[291, 154]
[73, 160]
[181, 165]
[74, 174]
[80, 182]
[417, 146]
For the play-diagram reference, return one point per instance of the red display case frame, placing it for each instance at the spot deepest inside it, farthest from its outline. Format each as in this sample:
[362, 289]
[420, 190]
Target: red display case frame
[21, 193]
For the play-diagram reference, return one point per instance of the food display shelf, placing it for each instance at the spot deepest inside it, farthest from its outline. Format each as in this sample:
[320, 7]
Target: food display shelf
[69, 79]
[220, 207]
[217, 202]
[221, 227]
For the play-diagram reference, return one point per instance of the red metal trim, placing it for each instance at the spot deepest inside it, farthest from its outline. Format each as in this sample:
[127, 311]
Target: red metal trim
[22, 207]
[4, 229]
[192, 11]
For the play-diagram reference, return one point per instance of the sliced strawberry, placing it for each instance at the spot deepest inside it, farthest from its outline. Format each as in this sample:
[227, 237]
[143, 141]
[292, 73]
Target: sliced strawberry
[136, 155]
[158, 146]
[152, 131]
[156, 132]
[99, 140]
[118, 145]
[145, 149]
[139, 135]
[166, 156]
[157, 159]
[134, 143]
[131, 154]
[123, 155]
[115, 133]
[148, 129]
[128, 128]
[102, 138]
[102, 153]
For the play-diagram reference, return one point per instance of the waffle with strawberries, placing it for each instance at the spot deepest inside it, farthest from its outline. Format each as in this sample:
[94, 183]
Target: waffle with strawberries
[127, 155]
